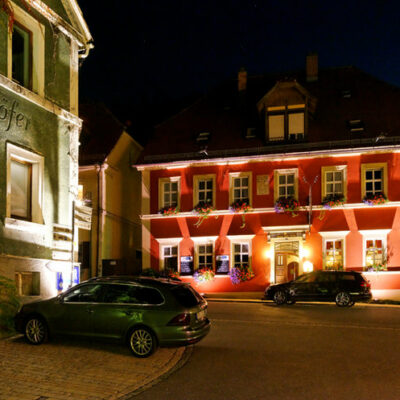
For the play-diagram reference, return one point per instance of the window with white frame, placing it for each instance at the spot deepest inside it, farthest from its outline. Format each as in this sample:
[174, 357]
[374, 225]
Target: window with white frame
[240, 187]
[334, 181]
[169, 189]
[24, 184]
[21, 189]
[373, 179]
[240, 255]
[334, 254]
[169, 253]
[285, 183]
[204, 189]
[374, 253]
[26, 51]
[170, 257]
[205, 256]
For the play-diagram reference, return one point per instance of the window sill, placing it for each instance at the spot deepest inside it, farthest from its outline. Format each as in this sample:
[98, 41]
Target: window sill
[215, 276]
[26, 226]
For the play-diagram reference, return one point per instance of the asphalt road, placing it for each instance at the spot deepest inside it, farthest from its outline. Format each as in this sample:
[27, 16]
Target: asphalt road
[261, 351]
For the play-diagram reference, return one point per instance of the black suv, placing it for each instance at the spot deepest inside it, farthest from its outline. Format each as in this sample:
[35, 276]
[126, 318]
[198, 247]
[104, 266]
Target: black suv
[343, 287]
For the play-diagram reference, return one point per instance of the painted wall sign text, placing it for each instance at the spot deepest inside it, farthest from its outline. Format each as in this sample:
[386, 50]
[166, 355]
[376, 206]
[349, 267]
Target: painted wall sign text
[10, 116]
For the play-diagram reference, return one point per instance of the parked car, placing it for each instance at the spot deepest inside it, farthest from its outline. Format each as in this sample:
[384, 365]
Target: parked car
[143, 312]
[343, 287]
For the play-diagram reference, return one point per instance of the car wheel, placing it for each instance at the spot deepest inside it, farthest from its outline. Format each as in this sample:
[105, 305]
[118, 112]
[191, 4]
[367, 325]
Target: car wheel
[36, 331]
[343, 299]
[142, 342]
[280, 297]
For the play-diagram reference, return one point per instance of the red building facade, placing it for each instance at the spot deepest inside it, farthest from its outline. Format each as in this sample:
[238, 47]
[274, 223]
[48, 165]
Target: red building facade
[274, 179]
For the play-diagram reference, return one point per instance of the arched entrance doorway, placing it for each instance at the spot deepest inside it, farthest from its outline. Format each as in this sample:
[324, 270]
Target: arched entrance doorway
[286, 261]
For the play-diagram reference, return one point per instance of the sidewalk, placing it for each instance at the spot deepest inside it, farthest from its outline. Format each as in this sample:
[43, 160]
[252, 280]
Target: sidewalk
[256, 297]
[80, 370]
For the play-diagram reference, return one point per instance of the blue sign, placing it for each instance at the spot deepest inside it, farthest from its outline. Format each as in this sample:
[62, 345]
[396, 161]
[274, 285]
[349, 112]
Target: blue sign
[60, 281]
[76, 275]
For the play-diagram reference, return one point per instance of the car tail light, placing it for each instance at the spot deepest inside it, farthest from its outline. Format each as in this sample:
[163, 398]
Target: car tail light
[366, 285]
[180, 320]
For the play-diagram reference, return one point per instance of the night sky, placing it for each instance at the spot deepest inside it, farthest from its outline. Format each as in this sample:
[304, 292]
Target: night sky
[157, 52]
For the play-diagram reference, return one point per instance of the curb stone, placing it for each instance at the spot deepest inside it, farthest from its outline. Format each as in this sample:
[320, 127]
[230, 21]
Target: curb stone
[183, 360]
[233, 300]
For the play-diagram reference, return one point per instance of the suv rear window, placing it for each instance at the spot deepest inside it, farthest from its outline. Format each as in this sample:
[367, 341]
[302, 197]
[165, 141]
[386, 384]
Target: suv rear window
[186, 296]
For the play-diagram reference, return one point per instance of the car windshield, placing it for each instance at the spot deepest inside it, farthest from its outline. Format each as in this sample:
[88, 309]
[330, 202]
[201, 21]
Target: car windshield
[186, 296]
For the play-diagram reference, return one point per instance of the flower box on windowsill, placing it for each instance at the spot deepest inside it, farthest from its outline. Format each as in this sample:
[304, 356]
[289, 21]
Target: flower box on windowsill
[203, 210]
[241, 207]
[333, 200]
[375, 199]
[168, 210]
[287, 205]
[375, 268]
[204, 275]
[241, 274]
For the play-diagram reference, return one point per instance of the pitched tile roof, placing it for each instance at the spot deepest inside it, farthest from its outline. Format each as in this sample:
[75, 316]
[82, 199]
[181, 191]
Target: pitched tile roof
[342, 94]
[100, 132]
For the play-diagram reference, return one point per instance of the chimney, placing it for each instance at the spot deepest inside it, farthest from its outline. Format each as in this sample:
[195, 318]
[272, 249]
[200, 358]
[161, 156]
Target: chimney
[242, 80]
[312, 67]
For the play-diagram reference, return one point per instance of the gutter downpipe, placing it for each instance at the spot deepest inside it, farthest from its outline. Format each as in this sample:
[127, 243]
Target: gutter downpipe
[100, 215]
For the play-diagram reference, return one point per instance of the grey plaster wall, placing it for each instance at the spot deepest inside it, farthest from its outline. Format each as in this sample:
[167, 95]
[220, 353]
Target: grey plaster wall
[3, 43]
[57, 61]
[48, 136]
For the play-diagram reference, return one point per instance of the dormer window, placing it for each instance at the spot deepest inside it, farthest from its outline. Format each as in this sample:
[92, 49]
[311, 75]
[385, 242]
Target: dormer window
[203, 137]
[250, 133]
[346, 94]
[285, 122]
[356, 125]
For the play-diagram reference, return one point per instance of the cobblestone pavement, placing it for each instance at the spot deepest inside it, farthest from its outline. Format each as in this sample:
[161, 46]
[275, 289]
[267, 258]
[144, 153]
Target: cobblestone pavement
[68, 369]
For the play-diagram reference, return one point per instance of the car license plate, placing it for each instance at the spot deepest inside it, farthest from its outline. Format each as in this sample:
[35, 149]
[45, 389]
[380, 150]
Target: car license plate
[201, 315]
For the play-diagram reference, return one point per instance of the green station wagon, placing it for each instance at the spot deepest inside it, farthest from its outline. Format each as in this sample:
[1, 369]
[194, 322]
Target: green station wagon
[143, 312]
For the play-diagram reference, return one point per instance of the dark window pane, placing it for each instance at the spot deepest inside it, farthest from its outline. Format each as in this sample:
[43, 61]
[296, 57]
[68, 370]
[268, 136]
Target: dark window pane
[21, 55]
[84, 294]
[186, 296]
[148, 296]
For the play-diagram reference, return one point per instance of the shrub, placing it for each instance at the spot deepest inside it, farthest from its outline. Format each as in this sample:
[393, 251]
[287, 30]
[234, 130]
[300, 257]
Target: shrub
[9, 303]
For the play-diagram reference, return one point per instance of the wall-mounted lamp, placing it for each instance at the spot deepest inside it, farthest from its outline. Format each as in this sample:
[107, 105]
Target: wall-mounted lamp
[308, 266]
